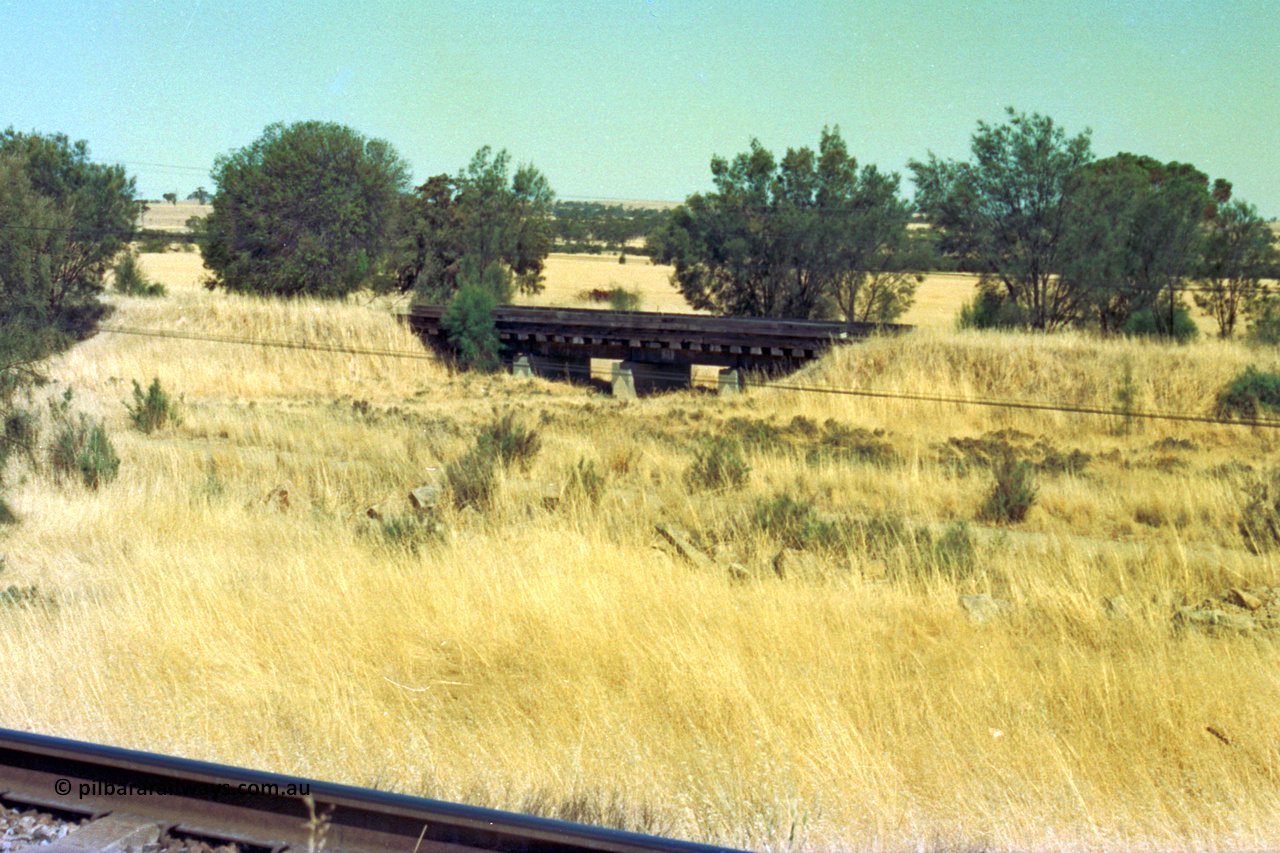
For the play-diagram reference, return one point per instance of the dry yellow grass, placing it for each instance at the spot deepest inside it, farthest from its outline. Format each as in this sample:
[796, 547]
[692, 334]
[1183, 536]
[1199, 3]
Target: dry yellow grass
[556, 661]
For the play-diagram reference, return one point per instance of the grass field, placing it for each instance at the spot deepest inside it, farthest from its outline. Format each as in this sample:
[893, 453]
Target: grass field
[231, 598]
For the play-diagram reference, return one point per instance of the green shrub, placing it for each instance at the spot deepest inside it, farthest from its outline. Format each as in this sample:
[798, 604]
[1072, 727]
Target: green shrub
[130, 279]
[1155, 323]
[409, 532]
[472, 479]
[468, 326]
[990, 309]
[795, 524]
[155, 242]
[1126, 395]
[83, 450]
[152, 410]
[23, 596]
[621, 299]
[717, 465]
[509, 442]
[1264, 328]
[1250, 395]
[955, 553]
[1013, 492]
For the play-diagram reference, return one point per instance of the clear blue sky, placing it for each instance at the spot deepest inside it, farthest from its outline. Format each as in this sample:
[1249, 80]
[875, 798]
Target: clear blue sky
[631, 99]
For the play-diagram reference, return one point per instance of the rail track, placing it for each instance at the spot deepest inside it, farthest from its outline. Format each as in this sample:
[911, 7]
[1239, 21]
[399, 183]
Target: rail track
[119, 800]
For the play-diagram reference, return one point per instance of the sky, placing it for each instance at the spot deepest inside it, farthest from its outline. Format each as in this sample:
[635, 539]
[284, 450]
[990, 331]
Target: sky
[630, 99]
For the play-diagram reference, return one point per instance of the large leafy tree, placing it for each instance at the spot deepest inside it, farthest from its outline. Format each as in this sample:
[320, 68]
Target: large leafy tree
[800, 237]
[1238, 253]
[63, 220]
[1134, 236]
[488, 227]
[1006, 210]
[306, 209]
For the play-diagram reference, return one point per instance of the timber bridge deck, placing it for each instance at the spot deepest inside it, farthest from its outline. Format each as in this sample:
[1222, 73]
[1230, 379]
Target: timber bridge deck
[653, 350]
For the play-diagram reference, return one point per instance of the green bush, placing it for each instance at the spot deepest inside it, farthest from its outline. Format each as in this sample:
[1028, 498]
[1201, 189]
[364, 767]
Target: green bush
[154, 242]
[991, 310]
[132, 281]
[1013, 492]
[1155, 323]
[795, 524]
[152, 410]
[472, 479]
[1250, 395]
[23, 596]
[717, 465]
[954, 554]
[621, 299]
[1126, 395]
[83, 450]
[1264, 328]
[408, 532]
[509, 442]
[468, 326]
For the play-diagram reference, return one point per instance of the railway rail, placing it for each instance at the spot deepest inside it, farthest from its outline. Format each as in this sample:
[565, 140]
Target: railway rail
[118, 799]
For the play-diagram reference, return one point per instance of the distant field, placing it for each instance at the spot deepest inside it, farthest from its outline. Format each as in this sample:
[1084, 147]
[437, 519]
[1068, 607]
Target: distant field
[570, 277]
[163, 216]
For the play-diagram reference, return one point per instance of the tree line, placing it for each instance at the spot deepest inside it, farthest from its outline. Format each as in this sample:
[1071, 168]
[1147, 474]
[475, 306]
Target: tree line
[1058, 237]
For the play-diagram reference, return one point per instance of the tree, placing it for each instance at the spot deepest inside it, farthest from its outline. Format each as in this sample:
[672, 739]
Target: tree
[470, 330]
[1133, 237]
[796, 238]
[1239, 250]
[172, 198]
[63, 220]
[863, 228]
[307, 208]
[1006, 211]
[484, 223]
[200, 196]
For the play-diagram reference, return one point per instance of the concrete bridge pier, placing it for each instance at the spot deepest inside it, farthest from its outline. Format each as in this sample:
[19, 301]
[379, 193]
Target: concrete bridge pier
[633, 378]
[729, 381]
[574, 369]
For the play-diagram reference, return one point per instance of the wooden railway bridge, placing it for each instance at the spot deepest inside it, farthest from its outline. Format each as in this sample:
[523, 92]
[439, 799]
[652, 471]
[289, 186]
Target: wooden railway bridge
[652, 351]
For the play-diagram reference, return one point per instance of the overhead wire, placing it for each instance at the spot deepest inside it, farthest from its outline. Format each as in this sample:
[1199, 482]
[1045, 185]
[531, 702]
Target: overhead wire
[640, 371]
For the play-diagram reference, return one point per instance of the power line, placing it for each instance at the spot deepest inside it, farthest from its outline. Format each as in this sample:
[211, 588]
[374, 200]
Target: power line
[1025, 405]
[640, 372]
[261, 342]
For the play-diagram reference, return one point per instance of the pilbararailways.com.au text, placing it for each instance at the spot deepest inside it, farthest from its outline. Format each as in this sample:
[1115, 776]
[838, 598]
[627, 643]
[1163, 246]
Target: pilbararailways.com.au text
[63, 787]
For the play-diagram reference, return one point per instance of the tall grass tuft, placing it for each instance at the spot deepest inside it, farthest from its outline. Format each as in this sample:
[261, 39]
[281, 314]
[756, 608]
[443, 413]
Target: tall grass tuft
[1013, 492]
[717, 465]
[153, 409]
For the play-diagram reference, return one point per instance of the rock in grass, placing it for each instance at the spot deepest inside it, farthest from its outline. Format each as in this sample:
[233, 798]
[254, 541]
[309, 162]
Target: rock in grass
[679, 538]
[984, 607]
